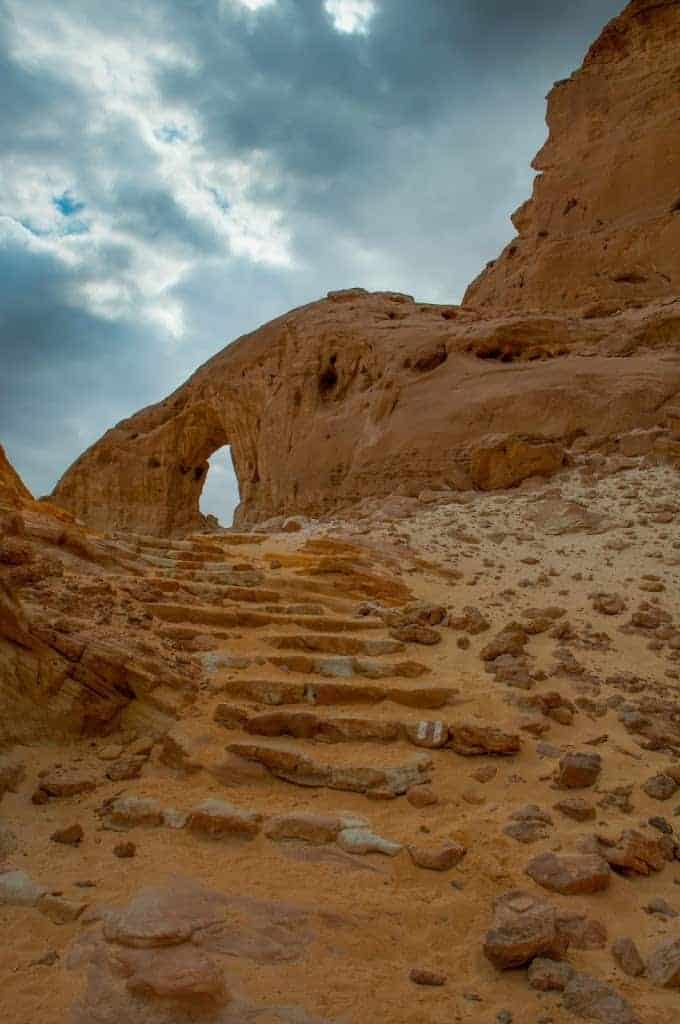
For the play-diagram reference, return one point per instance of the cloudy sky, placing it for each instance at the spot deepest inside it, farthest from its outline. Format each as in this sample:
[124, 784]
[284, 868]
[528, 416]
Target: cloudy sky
[174, 173]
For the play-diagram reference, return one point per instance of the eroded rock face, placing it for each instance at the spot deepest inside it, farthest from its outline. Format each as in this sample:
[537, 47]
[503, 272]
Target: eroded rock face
[602, 229]
[165, 957]
[308, 440]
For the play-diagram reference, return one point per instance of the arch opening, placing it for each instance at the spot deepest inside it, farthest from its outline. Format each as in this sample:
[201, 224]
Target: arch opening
[220, 493]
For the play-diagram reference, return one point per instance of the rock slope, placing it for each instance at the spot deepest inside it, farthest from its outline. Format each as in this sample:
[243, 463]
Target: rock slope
[417, 765]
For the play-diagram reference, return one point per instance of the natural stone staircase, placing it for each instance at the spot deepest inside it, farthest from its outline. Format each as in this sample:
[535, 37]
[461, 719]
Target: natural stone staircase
[291, 662]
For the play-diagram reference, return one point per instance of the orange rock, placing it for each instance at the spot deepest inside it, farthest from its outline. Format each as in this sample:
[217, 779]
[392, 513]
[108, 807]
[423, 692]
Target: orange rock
[601, 231]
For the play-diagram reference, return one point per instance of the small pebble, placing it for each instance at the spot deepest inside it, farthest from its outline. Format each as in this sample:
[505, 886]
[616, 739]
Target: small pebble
[125, 850]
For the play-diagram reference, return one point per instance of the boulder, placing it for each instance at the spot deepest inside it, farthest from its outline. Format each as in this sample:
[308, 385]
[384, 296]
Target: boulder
[523, 928]
[570, 874]
[578, 770]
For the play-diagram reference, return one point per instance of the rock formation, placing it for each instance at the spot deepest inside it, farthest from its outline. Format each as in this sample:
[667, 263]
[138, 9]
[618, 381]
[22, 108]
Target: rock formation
[571, 333]
[602, 229]
[367, 395]
[12, 488]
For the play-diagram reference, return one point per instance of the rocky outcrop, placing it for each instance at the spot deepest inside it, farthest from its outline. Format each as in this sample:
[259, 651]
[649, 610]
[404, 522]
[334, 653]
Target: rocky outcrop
[12, 488]
[337, 401]
[63, 668]
[602, 229]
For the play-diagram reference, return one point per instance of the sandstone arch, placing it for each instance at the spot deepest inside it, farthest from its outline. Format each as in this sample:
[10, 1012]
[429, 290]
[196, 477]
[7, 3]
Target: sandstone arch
[394, 416]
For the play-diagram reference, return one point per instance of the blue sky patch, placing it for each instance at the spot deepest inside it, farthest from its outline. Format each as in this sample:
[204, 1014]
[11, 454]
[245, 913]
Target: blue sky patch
[67, 204]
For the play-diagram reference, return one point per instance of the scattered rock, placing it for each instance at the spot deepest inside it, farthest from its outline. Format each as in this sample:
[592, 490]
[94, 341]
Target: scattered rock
[437, 858]
[522, 929]
[577, 808]
[549, 975]
[528, 825]
[570, 874]
[421, 796]
[422, 977]
[578, 770]
[633, 852]
[510, 641]
[595, 1000]
[660, 787]
[72, 835]
[627, 956]
[663, 966]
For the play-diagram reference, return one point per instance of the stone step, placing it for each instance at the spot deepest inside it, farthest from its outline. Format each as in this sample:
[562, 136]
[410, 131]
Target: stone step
[230, 539]
[234, 618]
[328, 644]
[217, 572]
[468, 738]
[275, 693]
[340, 666]
[219, 819]
[217, 593]
[347, 666]
[389, 777]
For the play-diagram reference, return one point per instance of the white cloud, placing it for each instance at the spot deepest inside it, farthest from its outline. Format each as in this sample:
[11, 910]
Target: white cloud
[352, 16]
[116, 75]
[252, 5]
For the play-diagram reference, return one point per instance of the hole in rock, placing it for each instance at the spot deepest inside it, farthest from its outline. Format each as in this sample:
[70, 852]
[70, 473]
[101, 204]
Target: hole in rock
[220, 494]
[328, 379]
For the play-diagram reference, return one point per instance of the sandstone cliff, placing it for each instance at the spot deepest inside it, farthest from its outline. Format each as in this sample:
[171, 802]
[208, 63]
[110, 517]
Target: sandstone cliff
[602, 229]
[367, 395]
